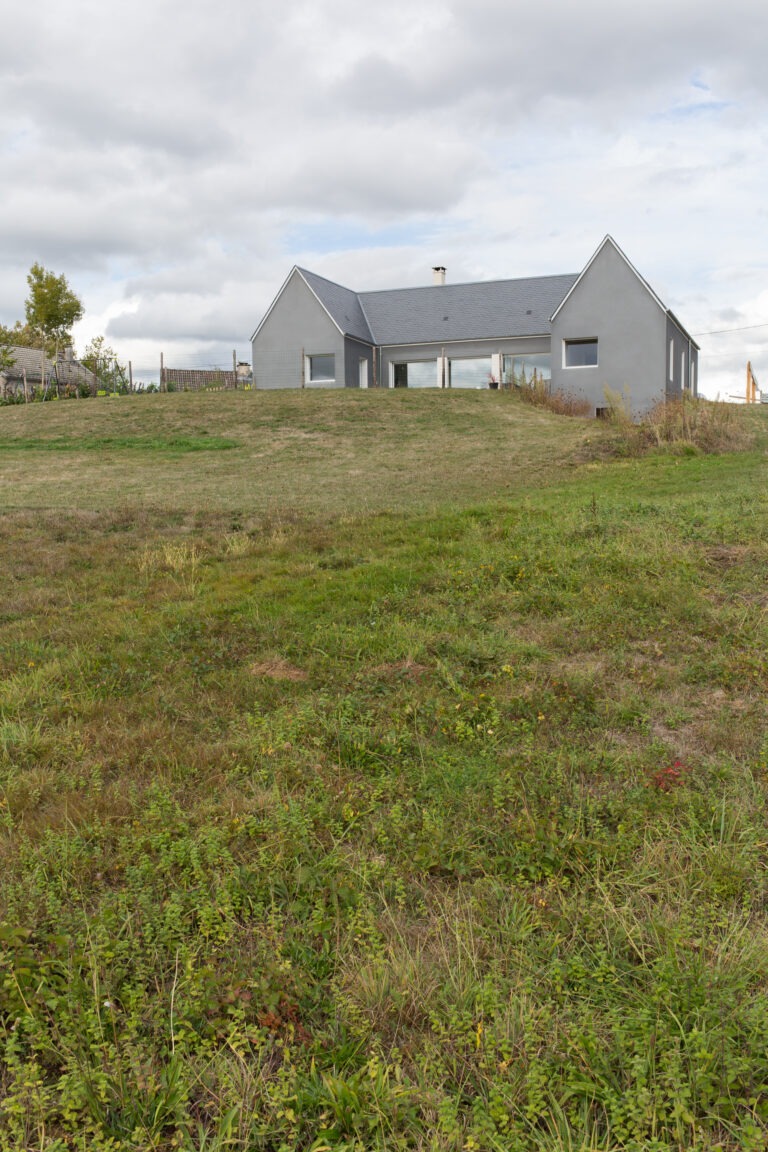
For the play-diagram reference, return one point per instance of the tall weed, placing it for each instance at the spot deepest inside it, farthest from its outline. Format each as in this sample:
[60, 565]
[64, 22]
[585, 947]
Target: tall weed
[540, 395]
[689, 425]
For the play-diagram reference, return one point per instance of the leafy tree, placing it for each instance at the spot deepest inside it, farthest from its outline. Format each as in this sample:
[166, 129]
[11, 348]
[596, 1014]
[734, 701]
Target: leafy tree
[6, 356]
[22, 336]
[51, 307]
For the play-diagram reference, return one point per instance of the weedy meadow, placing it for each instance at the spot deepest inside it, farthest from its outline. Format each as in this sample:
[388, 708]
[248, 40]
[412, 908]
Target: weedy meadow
[349, 803]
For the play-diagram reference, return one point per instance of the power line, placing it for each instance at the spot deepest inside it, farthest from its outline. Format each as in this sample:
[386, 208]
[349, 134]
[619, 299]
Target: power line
[723, 331]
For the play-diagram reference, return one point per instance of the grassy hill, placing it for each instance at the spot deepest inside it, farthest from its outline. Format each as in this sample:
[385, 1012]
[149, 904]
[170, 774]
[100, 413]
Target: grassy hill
[379, 771]
[307, 453]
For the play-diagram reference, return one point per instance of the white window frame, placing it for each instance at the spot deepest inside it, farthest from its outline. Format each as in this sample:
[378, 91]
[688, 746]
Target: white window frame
[505, 371]
[580, 340]
[396, 364]
[487, 361]
[308, 357]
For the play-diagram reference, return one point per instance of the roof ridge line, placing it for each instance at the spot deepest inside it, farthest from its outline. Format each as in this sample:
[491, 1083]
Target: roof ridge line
[467, 283]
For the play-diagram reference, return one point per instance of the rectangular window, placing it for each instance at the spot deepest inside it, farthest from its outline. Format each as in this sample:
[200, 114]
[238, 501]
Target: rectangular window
[682, 369]
[321, 369]
[579, 353]
[474, 372]
[672, 361]
[526, 371]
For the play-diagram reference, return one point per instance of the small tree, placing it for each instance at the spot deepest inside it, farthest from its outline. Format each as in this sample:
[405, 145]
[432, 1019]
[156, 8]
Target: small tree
[103, 362]
[52, 308]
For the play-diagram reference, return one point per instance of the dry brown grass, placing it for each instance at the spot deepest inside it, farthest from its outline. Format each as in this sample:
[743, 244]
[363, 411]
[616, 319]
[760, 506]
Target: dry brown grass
[689, 424]
[278, 669]
[539, 395]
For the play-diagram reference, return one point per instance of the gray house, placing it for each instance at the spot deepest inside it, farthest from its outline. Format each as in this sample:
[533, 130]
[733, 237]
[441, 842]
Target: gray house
[580, 333]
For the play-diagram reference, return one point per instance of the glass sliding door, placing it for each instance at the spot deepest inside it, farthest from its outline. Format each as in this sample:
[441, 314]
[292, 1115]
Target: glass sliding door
[415, 374]
[474, 372]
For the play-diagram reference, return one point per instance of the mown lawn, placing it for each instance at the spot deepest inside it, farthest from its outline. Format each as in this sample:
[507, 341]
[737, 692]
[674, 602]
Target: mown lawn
[379, 772]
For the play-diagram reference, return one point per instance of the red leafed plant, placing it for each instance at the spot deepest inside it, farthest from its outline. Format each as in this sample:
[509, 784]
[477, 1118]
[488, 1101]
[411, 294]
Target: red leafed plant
[670, 777]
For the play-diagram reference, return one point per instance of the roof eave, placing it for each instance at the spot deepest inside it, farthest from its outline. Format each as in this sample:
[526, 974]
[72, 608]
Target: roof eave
[327, 311]
[677, 324]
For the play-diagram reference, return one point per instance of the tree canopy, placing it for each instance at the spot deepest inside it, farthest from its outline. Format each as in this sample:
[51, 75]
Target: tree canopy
[6, 355]
[51, 306]
[23, 336]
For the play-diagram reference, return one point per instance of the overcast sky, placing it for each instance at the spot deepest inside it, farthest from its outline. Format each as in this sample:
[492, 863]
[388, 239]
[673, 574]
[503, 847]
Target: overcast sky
[174, 161]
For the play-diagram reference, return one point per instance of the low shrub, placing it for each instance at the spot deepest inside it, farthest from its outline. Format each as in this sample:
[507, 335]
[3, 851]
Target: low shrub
[688, 424]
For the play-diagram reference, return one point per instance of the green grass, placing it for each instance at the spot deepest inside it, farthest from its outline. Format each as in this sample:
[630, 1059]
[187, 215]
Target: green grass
[140, 444]
[316, 454]
[394, 779]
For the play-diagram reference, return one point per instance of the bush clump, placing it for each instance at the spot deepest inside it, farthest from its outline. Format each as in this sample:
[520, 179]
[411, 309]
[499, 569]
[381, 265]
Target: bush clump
[561, 403]
[687, 424]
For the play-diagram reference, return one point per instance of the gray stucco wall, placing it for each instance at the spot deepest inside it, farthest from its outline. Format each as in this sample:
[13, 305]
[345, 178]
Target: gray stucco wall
[612, 305]
[681, 353]
[297, 326]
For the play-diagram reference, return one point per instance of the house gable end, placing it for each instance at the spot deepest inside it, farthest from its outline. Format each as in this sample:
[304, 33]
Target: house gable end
[609, 241]
[609, 333]
[296, 328]
[274, 303]
[296, 303]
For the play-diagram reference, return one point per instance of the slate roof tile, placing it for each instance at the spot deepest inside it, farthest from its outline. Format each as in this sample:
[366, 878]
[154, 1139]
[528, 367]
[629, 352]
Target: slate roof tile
[343, 305]
[484, 310]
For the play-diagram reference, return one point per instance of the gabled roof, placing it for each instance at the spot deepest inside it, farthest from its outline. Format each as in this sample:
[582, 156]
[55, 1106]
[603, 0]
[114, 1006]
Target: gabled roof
[27, 360]
[487, 309]
[446, 313]
[341, 304]
[491, 309]
[609, 241]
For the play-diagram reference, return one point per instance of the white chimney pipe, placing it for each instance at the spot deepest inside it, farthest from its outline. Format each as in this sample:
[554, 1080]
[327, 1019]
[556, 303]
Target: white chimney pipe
[438, 274]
